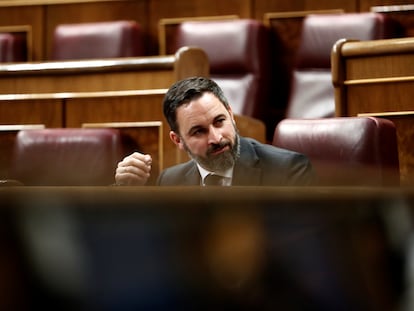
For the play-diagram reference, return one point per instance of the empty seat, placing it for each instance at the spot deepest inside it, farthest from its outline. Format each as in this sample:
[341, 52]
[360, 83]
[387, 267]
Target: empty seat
[66, 157]
[239, 57]
[312, 94]
[97, 40]
[346, 150]
[13, 47]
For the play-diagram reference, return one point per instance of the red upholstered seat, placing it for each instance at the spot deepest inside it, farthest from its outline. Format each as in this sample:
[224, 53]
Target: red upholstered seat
[66, 157]
[239, 56]
[345, 151]
[97, 40]
[13, 47]
[312, 94]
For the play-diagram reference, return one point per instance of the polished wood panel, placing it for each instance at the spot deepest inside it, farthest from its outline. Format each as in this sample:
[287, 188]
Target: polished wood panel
[31, 110]
[376, 78]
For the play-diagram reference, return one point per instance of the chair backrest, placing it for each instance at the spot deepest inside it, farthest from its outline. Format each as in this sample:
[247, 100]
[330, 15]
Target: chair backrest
[312, 93]
[97, 40]
[13, 47]
[8, 134]
[239, 57]
[345, 150]
[66, 157]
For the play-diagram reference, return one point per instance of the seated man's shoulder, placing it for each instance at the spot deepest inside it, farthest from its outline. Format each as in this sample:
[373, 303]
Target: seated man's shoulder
[280, 166]
[173, 175]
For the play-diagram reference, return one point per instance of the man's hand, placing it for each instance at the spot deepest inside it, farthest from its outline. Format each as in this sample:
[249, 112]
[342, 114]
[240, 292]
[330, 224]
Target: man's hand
[133, 170]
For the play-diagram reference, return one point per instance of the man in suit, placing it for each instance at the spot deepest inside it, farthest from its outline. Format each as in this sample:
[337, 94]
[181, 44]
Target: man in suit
[202, 124]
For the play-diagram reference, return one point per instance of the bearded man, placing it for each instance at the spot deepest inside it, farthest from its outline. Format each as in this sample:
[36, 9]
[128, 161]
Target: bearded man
[202, 123]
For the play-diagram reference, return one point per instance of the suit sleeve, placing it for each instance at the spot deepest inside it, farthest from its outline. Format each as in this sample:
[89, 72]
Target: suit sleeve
[302, 172]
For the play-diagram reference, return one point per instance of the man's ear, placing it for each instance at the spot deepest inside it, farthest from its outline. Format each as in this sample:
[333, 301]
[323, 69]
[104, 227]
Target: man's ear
[176, 139]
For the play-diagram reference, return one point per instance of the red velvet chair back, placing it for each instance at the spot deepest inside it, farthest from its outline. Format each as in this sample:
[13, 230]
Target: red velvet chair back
[239, 56]
[66, 157]
[97, 40]
[13, 47]
[312, 94]
[345, 151]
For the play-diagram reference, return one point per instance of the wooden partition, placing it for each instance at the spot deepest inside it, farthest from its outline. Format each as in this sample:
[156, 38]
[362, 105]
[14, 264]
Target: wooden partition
[134, 73]
[377, 78]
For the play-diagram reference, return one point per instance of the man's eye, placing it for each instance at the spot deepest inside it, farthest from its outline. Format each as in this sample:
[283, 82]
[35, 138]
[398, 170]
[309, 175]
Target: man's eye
[220, 121]
[198, 132]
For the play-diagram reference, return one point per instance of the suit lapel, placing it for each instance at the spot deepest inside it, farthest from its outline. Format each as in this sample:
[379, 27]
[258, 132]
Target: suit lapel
[192, 176]
[245, 171]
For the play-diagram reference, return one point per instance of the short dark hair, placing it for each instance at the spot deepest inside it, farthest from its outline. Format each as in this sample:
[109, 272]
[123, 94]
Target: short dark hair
[186, 90]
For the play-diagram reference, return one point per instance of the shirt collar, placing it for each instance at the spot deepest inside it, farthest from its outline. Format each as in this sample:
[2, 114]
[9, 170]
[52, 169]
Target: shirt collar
[228, 174]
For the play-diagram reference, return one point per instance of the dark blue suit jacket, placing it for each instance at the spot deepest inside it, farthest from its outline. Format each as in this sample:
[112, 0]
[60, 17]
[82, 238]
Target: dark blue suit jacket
[259, 165]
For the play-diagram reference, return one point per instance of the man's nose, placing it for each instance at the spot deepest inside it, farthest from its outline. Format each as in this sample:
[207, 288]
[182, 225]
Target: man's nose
[215, 135]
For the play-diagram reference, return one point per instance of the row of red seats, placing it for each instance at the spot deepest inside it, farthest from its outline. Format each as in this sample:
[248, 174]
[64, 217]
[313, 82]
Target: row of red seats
[71, 156]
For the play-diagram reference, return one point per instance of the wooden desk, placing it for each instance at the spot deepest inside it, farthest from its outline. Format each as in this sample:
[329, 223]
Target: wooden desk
[377, 78]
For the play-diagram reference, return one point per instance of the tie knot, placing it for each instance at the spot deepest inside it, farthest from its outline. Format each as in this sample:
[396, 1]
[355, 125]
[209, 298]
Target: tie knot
[213, 180]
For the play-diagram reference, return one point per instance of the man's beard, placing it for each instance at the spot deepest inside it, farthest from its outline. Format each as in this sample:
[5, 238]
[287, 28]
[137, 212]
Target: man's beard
[221, 161]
